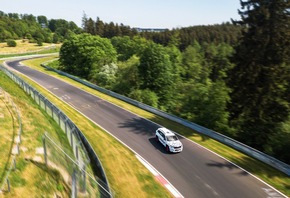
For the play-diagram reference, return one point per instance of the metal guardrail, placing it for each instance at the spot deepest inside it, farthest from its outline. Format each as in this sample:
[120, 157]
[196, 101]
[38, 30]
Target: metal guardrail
[81, 146]
[277, 164]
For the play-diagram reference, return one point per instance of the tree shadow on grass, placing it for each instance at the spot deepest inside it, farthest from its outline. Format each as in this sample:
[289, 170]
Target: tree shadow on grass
[53, 173]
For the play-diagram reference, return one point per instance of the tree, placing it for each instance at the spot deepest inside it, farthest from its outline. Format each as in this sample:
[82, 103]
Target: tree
[205, 104]
[217, 59]
[156, 73]
[100, 27]
[106, 77]
[90, 26]
[84, 55]
[127, 76]
[145, 96]
[260, 99]
[42, 20]
[124, 46]
[192, 63]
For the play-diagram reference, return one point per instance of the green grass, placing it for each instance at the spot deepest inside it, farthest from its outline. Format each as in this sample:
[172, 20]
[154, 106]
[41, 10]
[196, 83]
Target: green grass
[270, 175]
[8, 128]
[29, 172]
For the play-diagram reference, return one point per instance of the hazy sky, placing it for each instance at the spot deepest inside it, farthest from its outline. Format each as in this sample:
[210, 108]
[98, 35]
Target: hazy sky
[135, 13]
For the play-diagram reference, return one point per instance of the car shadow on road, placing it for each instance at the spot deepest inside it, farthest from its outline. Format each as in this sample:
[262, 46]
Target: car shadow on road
[159, 146]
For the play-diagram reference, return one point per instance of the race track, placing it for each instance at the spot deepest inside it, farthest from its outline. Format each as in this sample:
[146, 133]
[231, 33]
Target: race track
[195, 172]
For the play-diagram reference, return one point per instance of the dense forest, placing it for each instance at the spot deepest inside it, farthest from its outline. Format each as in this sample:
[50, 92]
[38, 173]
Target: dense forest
[35, 29]
[233, 78]
[219, 33]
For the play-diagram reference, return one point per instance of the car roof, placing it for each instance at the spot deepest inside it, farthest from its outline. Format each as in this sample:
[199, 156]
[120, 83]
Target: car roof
[166, 131]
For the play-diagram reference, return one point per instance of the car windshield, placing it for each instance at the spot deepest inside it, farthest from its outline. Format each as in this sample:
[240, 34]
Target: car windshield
[171, 138]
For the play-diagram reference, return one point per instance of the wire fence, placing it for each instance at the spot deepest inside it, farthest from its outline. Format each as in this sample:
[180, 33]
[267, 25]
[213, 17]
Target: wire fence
[82, 183]
[5, 182]
[81, 148]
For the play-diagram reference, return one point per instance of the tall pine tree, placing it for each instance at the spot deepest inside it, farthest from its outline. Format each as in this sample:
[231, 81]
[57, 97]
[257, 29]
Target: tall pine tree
[260, 81]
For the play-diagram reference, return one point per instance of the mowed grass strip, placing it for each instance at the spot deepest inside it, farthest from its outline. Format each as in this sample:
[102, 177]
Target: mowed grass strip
[8, 128]
[127, 176]
[26, 48]
[31, 177]
[23, 46]
[263, 171]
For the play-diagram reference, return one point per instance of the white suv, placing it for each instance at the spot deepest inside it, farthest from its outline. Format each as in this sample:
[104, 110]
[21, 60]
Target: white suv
[169, 140]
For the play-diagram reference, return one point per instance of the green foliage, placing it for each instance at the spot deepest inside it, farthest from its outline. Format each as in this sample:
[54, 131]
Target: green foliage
[156, 72]
[106, 77]
[127, 76]
[13, 26]
[145, 96]
[124, 46]
[218, 60]
[260, 80]
[11, 43]
[84, 55]
[192, 62]
[205, 104]
[39, 43]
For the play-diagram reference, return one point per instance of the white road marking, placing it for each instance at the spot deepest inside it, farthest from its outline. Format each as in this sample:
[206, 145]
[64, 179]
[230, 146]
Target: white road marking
[65, 97]
[213, 191]
[271, 193]
[160, 177]
[147, 166]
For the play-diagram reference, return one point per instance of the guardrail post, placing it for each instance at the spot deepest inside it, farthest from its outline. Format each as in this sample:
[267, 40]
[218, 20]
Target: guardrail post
[74, 186]
[71, 138]
[18, 149]
[77, 152]
[65, 126]
[14, 164]
[8, 185]
[84, 178]
[44, 149]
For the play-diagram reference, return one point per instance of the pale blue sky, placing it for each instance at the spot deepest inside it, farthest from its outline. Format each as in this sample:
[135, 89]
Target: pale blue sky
[135, 13]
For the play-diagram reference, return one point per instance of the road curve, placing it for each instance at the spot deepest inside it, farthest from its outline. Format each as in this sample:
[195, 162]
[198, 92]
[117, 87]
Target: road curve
[195, 172]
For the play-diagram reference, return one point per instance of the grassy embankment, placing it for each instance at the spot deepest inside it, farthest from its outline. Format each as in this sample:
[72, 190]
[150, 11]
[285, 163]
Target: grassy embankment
[270, 175]
[8, 128]
[31, 177]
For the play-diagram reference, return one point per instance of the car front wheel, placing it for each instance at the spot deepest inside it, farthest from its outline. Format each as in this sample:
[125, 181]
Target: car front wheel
[167, 148]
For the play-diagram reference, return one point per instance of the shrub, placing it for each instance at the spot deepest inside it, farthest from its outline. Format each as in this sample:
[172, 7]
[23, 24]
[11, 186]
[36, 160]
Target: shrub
[39, 43]
[11, 43]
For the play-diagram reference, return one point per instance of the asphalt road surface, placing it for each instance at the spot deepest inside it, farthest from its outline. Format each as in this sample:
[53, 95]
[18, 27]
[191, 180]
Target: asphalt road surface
[195, 172]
